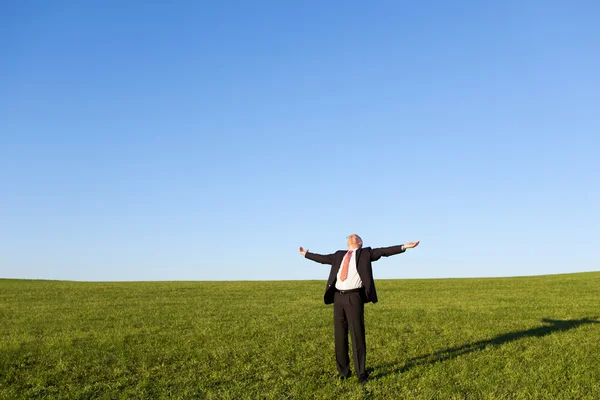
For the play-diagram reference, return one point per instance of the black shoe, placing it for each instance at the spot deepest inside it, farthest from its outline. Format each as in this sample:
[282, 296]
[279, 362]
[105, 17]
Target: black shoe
[362, 379]
[343, 377]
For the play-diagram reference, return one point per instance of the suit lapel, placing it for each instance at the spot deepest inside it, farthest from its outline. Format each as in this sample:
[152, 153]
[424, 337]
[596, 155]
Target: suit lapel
[339, 265]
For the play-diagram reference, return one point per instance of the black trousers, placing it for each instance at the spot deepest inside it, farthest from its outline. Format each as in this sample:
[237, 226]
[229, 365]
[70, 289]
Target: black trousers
[349, 314]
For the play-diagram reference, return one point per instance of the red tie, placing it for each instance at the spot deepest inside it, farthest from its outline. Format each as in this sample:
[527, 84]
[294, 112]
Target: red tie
[344, 273]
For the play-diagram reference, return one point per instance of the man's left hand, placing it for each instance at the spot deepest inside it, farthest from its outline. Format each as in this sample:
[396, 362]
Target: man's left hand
[410, 245]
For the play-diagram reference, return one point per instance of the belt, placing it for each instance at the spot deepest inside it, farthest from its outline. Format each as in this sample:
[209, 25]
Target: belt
[349, 291]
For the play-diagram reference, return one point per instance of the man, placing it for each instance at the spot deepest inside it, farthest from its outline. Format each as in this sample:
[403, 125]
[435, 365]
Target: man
[350, 285]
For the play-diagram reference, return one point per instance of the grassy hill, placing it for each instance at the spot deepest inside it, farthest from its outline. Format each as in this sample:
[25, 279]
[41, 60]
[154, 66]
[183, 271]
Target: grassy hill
[501, 338]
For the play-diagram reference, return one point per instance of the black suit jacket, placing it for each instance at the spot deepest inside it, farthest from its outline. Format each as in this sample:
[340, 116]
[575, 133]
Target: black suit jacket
[364, 257]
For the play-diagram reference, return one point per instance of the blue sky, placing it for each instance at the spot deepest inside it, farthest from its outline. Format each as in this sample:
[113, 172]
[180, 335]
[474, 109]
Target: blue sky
[208, 140]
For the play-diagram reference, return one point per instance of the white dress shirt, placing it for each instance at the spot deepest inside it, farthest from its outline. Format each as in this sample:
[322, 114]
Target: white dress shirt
[353, 280]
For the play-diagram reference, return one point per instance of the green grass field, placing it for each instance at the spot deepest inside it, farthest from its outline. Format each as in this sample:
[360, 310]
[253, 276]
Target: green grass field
[503, 338]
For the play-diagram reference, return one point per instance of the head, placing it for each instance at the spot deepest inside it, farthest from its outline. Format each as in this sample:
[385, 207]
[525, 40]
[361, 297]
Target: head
[354, 241]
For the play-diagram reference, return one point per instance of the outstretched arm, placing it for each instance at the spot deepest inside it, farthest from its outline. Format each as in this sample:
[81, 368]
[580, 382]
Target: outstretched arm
[376, 254]
[320, 258]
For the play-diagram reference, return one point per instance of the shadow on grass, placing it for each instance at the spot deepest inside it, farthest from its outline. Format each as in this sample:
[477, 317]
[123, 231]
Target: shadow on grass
[552, 325]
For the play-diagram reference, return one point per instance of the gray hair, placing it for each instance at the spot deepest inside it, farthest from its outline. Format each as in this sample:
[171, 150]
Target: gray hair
[354, 238]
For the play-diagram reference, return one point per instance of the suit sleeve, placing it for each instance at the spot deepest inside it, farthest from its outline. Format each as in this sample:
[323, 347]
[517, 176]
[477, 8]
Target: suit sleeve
[376, 254]
[320, 258]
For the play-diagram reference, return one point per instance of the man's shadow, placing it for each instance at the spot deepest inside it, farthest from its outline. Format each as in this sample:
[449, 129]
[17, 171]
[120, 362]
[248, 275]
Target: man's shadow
[552, 325]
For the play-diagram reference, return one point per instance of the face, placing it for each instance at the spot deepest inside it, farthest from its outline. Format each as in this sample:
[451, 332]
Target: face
[354, 241]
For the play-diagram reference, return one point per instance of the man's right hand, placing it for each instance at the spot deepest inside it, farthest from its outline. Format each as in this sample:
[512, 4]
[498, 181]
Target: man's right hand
[302, 251]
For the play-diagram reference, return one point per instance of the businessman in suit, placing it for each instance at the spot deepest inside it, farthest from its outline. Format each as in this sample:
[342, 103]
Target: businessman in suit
[349, 287]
